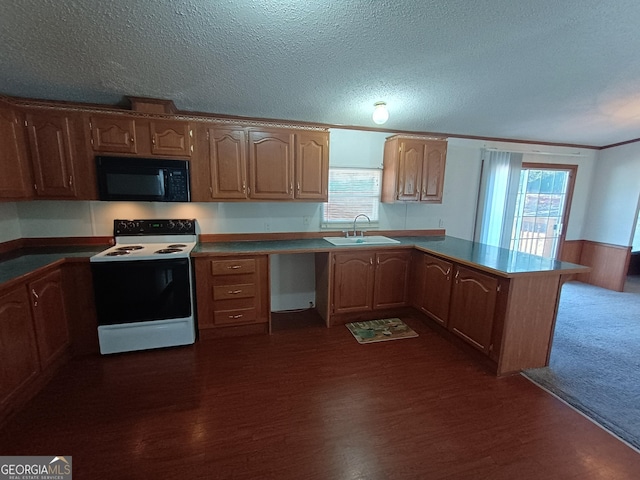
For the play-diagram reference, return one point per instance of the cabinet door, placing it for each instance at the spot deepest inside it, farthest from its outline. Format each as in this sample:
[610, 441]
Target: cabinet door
[473, 304]
[410, 170]
[271, 165]
[312, 166]
[113, 134]
[49, 315]
[433, 172]
[436, 292]
[15, 174]
[353, 275]
[50, 139]
[227, 163]
[18, 351]
[171, 138]
[391, 279]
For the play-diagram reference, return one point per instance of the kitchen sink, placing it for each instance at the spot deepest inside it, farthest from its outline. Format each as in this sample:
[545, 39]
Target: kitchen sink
[368, 240]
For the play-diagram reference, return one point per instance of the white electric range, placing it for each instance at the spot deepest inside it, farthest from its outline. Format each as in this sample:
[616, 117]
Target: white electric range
[143, 286]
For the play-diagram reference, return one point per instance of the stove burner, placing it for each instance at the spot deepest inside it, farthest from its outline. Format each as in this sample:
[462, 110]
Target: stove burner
[177, 245]
[117, 253]
[168, 250]
[129, 248]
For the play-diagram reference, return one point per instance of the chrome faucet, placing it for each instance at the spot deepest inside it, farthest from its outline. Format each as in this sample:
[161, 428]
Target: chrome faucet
[354, 224]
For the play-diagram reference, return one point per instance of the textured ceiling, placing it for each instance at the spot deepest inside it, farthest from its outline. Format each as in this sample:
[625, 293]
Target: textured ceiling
[552, 71]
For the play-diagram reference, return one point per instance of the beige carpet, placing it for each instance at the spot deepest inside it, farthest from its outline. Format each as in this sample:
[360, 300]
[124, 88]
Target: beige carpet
[380, 330]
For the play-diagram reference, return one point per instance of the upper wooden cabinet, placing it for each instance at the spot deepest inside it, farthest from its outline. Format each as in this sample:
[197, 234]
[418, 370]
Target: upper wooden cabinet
[15, 173]
[114, 134]
[413, 170]
[244, 164]
[171, 138]
[271, 154]
[52, 154]
[140, 136]
[227, 163]
[312, 166]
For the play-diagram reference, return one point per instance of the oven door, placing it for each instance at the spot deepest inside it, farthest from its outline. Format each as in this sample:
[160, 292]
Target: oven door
[140, 291]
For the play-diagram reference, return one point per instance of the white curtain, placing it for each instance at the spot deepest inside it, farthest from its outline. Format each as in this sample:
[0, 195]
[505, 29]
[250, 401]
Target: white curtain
[496, 199]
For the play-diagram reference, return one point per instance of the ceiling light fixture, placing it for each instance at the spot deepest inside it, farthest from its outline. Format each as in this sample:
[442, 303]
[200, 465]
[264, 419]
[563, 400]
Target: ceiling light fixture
[380, 113]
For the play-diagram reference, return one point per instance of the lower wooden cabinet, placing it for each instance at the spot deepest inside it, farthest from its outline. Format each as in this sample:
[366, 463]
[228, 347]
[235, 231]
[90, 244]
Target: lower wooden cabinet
[369, 280]
[232, 291]
[473, 303]
[34, 336]
[49, 316]
[433, 287]
[19, 362]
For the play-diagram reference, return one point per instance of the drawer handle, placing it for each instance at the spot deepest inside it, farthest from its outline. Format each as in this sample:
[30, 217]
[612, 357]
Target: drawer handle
[234, 267]
[235, 317]
[234, 292]
[35, 295]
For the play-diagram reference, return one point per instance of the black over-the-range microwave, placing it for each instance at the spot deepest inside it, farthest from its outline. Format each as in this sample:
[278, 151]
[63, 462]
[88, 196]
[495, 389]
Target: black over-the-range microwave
[143, 179]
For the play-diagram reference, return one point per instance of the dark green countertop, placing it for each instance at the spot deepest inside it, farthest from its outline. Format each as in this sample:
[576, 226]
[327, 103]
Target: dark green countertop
[497, 260]
[25, 261]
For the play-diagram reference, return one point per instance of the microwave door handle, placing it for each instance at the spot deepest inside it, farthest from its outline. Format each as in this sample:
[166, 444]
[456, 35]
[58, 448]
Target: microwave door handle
[164, 186]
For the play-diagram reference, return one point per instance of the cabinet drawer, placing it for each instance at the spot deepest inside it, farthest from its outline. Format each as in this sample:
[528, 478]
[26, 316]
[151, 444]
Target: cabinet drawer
[226, 292]
[233, 266]
[241, 315]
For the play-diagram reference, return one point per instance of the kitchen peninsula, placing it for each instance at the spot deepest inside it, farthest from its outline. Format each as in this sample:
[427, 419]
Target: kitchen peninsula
[502, 303]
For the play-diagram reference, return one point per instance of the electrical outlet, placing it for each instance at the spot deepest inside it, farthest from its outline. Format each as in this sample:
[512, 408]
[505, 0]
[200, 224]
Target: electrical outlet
[306, 220]
[311, 305]
[440, 223]
[267, 227]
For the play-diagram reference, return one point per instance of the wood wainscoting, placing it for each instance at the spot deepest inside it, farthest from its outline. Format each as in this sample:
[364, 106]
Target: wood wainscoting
[609, 263]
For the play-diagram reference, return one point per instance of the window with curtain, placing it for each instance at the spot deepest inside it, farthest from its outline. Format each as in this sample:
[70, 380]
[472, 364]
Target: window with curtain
[352, 191]
[523, 205]
[497, 198]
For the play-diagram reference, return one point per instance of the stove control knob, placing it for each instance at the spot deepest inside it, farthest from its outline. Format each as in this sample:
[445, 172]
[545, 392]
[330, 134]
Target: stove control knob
[131, 225]
[171, 225]
[180, 225]
[187, 225]
[122, 226]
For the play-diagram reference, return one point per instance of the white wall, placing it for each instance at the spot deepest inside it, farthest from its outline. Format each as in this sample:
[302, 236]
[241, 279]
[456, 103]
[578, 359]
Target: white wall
[293, 275]
[9, 222]
[614, 196]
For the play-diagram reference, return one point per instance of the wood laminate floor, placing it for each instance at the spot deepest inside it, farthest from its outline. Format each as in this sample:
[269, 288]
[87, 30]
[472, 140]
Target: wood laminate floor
[309, 403]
